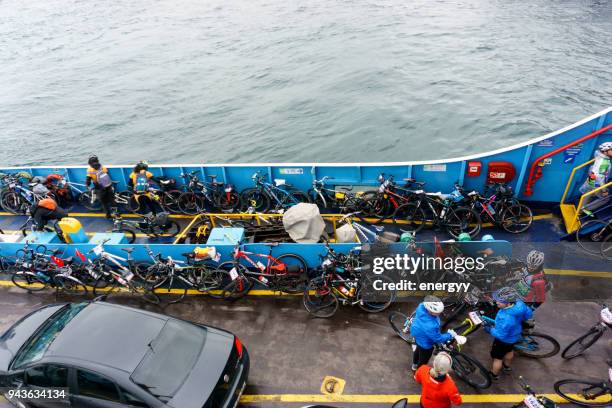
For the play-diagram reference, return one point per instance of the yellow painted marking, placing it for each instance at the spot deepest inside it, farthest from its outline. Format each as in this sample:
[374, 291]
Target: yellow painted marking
[571, 272]
[100, 215]
[17, 232]
[332, 385]
[389, 399]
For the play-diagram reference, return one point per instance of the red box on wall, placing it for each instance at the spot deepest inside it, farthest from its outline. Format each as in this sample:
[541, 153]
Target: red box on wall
[500, 172]
[474, 168]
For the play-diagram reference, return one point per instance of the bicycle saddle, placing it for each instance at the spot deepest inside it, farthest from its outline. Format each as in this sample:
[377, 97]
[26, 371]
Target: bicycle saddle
[439, 195]
[56, 251]
[346, 188]
[128, 250]
[273, 244]
[69, 260]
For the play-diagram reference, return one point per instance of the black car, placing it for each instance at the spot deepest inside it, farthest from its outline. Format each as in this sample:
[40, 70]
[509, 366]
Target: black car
[102, 355]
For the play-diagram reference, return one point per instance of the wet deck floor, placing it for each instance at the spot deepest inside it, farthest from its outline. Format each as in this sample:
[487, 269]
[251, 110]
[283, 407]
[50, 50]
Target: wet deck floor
[291, 352]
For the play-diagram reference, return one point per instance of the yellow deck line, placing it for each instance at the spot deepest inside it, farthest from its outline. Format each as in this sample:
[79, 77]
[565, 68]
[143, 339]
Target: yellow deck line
[571, 272]
[4, 213]
[388, 398]
[91, 234]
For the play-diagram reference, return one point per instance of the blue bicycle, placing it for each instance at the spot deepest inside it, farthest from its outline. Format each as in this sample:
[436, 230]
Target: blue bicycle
[531, 344]
[16, 198]
[266, 196]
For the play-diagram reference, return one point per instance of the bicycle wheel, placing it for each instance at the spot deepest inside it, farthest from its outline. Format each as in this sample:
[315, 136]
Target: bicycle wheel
[84, 199]
[516, 218]
[295, 276]
[227, 201]
[125, 201]
[155, 275]
[470, 370]
[298, 196]
[190, 203]
[401, 323]
[236, 284]
[129, 234]
[170, 200]
[537, 345]
[173, 291]
[590, 232]
[255, 198]
[606, 247]
[462, 219]
[29, 281]
[585, 393]
[582, 343]
[412, 214]
[12, 202]
[319, 300]
[371, 300]
[106, 285]
[205, 278]
[145, 291]
[69, 285]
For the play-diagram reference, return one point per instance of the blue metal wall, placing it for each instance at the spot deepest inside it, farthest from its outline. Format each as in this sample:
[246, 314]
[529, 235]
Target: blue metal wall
[439, 177]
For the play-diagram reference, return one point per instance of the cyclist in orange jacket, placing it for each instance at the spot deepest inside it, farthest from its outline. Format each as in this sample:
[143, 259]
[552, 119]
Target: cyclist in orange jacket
[438, 388]
[47, 210]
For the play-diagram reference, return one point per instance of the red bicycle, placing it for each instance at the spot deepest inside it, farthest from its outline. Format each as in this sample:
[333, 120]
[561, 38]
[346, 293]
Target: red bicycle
[287, 273]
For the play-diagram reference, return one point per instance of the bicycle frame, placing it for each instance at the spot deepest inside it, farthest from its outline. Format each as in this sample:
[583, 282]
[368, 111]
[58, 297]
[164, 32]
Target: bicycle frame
[271, 269]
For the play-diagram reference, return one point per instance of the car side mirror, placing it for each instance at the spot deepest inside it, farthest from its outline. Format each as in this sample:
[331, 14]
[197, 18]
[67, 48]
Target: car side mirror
[403, 403]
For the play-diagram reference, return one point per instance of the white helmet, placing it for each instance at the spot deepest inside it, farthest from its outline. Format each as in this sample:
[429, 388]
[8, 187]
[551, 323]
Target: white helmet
[433, 305]
[535, 259]
[442, 364]
[604, 147]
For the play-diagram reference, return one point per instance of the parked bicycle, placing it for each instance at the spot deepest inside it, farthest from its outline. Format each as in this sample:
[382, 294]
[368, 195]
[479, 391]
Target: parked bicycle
[438, 210]
[154, 226]
[500, 208]
[201, 196]
[532, 400]
[594, 236]
[341, 199]
[466, 367]
[266, 196]
[114, 274]
[286, 273]
[587, 393]
[35, 271]
[584, 342]
[16, 198]
[171, 279]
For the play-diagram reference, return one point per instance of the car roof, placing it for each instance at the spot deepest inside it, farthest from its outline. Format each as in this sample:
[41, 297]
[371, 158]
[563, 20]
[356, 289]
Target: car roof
[107, 334]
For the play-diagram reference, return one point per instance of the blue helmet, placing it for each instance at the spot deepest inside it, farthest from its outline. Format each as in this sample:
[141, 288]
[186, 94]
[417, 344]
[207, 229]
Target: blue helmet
[487, 237]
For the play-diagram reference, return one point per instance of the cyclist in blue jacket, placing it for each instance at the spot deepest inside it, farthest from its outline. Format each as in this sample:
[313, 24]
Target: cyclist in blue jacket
[507, 329]
[425, 330]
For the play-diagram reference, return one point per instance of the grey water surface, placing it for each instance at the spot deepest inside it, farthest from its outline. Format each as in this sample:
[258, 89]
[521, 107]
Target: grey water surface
[214, 81]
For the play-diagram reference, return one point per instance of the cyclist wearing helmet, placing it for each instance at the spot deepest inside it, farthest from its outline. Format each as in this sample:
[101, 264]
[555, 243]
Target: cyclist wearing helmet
[140, 182]
[102, 185]
[598, 173]
[426, 330]
[531, 288]
[507, 329]
[438, 388]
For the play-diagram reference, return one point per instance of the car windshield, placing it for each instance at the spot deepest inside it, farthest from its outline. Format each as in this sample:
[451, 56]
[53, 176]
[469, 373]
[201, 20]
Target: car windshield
[34, 349]
[170, 359]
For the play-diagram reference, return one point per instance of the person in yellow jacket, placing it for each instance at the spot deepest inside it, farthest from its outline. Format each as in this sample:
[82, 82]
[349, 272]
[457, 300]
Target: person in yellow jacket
[103, 189]
[140, 183]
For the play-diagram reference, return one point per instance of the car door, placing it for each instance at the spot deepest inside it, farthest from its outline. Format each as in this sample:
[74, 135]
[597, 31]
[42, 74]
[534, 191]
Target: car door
[48, 377]
[95, 391]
